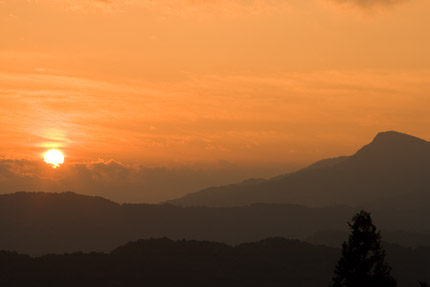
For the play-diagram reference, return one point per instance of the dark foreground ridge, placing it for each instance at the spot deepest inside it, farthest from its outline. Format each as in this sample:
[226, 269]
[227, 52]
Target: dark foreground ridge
[163, 262]
[391, 171]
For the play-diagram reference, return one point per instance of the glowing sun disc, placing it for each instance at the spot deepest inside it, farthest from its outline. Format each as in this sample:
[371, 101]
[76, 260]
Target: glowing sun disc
[54, 157]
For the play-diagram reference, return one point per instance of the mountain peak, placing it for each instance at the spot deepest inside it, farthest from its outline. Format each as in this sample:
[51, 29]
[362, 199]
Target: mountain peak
[395, 145]
[393, 137]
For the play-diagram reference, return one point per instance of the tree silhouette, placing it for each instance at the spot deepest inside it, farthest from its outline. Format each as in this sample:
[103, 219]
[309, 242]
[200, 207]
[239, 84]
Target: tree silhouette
[363, 260]
[423, 284]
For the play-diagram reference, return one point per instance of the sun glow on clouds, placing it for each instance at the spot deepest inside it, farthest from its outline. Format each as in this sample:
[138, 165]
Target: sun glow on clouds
[54, 157]
[160, 84]
[176, 123]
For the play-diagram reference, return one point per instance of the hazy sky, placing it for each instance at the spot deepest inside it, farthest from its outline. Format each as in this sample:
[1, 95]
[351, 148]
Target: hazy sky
[175, 95]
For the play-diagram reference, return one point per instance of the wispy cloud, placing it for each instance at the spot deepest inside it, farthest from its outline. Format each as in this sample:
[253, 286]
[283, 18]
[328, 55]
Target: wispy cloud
[173, 7]
[369, 3]
[185, 7]
[207, 117]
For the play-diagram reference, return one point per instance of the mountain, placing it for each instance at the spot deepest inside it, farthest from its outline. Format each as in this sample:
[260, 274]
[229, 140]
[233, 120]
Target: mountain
[164, 262]
[41, 223]
[392, 171]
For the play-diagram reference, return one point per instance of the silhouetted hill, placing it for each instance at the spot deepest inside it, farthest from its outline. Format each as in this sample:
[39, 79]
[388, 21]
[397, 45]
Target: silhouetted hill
[334, 238]
[40, 223]
[392, 171]
[163, 262]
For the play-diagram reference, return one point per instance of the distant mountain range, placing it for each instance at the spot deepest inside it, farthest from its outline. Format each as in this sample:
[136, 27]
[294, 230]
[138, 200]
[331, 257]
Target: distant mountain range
[392, 171]
[163, 262]
[41, 223]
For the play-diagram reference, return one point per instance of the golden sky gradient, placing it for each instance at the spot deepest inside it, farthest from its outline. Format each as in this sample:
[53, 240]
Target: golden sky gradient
[264, 85]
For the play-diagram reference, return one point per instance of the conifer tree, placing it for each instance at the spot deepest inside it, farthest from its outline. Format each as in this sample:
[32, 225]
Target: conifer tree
[362, 263]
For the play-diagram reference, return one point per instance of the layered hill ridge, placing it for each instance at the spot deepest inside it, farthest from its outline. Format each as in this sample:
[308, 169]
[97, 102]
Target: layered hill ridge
[392, 170]
[41, 223]
[164, 262]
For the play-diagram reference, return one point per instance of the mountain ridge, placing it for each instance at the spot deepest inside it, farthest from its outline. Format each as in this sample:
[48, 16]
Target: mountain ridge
[41, 223]
[392, 164]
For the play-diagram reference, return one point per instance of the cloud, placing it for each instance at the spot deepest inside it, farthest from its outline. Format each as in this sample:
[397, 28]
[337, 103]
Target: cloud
[172, 7]
[75, 5]
[115, 180]
[369, 3]
[186, 7]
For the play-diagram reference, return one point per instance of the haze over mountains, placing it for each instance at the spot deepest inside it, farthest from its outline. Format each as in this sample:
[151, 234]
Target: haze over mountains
[392, 171]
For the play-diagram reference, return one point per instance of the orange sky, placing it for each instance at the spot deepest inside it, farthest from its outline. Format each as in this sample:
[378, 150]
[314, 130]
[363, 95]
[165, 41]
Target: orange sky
[263, 85]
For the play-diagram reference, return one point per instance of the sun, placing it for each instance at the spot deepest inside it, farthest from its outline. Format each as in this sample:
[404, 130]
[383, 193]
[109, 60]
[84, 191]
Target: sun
[54, 158]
